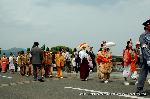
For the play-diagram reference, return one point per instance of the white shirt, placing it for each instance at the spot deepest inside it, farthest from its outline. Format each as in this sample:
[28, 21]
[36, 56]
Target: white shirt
[67, 55]
[17, 59]
[73, 62]
[83, 54]
[11, 60]
[76, 54]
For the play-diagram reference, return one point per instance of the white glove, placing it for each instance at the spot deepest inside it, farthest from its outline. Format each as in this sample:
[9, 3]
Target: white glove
[148, 62]
[144, 45]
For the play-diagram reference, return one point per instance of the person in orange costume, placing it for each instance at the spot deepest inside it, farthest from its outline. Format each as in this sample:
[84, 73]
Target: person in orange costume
[43, 64]
[104, 58]
[133, 61]
[59, 59]
[4, 62]
[0, 65]
[48, 64]
[130, 59]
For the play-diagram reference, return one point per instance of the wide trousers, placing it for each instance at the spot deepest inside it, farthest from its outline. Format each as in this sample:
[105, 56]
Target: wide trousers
[39, 74]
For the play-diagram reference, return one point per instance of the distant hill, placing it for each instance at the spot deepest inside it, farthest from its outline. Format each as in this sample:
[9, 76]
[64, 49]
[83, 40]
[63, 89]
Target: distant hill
[14, 50]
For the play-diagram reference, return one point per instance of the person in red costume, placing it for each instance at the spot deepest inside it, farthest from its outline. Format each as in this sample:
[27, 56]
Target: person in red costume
[4, 62]
[103, 59]
[130, 59]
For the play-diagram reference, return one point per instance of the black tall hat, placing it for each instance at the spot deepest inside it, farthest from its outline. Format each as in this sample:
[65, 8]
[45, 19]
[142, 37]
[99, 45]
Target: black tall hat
[146, 23]
[36, 43]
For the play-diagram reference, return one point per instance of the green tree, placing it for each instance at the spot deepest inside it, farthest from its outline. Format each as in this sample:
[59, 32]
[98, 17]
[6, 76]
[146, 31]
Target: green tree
[28, 49]
[47, 49]
[43, 47]
[0, 50]
[57, 48]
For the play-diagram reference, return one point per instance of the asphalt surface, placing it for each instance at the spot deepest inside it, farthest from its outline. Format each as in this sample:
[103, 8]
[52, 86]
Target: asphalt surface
[15, 86]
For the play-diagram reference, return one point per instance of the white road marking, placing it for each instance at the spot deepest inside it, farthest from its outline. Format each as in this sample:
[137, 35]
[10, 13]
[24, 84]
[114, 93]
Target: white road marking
[81, 89]
[13, 84]
[4, 85]
[68, 87]
[9, 77]
[76, 88]
[6, 76]
[3, 76]
[107, 93]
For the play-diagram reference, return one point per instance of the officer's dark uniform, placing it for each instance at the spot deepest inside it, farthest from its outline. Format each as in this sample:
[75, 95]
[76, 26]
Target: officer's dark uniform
[145, 65]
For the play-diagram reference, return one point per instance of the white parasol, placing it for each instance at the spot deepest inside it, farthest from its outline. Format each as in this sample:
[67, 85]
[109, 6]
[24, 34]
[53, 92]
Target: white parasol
[110, 44]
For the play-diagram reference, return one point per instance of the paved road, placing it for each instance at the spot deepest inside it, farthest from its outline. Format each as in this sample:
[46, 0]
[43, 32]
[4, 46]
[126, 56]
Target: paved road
[14, 86]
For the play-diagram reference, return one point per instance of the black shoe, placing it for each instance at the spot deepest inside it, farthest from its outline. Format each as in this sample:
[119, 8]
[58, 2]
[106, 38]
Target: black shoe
[35, 80]
[140, 92]
[40, 80]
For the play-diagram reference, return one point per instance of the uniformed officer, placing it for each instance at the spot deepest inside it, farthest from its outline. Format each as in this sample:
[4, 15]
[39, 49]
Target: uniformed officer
[145, 49]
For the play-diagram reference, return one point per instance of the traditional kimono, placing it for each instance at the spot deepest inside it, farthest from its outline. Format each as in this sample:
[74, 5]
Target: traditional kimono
[0, 66]
[104, 64]
[134, 60]
[59, 59]
[21, 63]
[130, 59]
[27, 64]
[127, 62]
[84, 65]
[4, 63]
[48, 64]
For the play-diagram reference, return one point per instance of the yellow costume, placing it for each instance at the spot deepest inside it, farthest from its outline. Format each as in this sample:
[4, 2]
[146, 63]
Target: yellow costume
[59, 59]
[27, 63]
[21, 63]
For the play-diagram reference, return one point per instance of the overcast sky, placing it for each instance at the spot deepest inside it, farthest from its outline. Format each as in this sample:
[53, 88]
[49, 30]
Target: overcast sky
[69, 22]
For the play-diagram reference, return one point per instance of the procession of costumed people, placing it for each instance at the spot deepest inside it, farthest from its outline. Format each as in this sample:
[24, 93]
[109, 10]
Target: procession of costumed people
[39, 63]
[83, 60]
